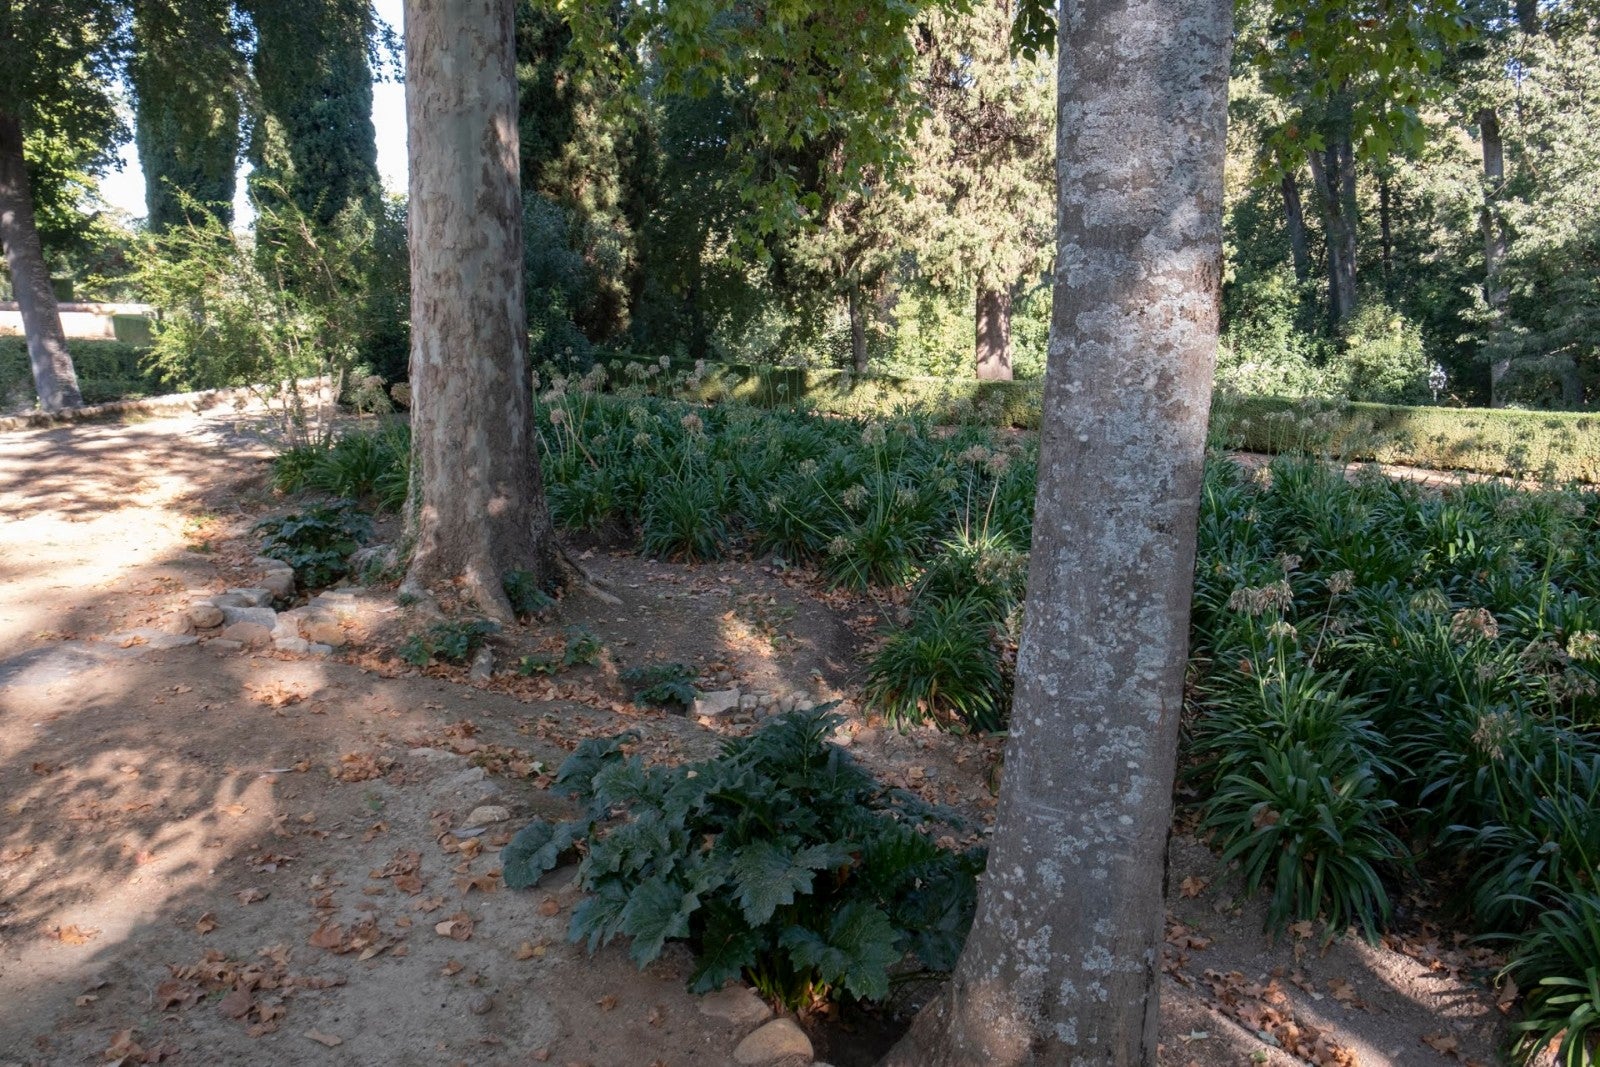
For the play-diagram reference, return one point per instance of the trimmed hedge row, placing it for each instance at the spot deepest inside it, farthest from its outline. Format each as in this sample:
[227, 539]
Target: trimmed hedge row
[107, 370]
[1559, 446]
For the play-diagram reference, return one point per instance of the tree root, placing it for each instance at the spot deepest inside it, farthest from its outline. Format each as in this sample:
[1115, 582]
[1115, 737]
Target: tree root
[573, 576]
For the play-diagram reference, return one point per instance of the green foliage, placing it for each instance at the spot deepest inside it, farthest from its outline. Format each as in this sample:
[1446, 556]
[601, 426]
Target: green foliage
[367, 465]
[453, 641]
[581, 648]
[527, 597]
[1558, 966]
[781, 860]
[662, 684]
[316, 541]
[107, 371]
[290, 304]
[943, 667]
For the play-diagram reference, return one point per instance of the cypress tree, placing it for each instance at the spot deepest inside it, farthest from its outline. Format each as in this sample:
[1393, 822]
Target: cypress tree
[185, 72]
[312, 139]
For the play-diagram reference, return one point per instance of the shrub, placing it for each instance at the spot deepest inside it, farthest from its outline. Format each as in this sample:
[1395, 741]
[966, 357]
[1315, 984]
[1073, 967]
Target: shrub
[523, 590]
[780, 860]
[662, 684]
[454, 641]
[370, 465]
[1559, 968]
[316, 541]
[942, 667]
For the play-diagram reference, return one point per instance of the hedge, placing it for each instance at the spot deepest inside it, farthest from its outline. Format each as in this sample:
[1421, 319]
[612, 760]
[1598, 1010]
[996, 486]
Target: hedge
[107, 370]
[1556, 446]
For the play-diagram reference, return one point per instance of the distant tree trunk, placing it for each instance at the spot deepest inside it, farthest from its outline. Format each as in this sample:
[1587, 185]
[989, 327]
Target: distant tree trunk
[1295, 215]
[477, 508]
[1333, 171]
[1495, 242]
[1386, 230]
[994, 334]
[858, 329]
[54, 379]
[1063, 964]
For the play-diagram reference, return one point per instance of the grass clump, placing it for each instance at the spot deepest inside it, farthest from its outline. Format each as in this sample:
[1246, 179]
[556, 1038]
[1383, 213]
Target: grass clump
[454, 641]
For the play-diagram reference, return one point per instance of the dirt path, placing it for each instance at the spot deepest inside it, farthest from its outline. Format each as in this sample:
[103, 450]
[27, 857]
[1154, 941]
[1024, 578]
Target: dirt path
[226, 857]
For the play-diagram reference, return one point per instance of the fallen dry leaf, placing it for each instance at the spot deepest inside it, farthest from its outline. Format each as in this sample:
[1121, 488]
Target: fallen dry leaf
[458, 927]
[607, 1002]
[73, 935]
[206, 923]
[320, 1038]
[452, 968]
[1193, 885]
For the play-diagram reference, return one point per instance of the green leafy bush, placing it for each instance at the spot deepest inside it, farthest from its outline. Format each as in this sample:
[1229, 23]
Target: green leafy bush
[368, 465]
[454, 641]
[315, 541]
[1558, 966]
[781, 860]
[662, 684]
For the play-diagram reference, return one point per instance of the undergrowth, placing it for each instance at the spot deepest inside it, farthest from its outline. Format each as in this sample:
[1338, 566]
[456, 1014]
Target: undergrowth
[781, 861]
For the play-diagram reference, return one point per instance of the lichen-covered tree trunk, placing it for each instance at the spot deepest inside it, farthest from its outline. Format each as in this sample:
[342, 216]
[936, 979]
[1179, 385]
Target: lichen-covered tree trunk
[1063, 962]
[994, 334]
[54, 379]
[477, 506]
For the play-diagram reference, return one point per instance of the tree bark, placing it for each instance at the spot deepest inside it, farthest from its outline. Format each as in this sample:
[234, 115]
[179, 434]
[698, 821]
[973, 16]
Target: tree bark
[477, 507]
[1333, 171]
[1294, 214]
[55, 381]
[994, 334]
[858, 329]
[1495, 241]
[1386, 230]
[1063, 962]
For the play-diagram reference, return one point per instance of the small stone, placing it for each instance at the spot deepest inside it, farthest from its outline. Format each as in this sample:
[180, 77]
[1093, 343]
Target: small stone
[165, 641]
[778, 1040]
[482, 668]
[338, 598]
[287, 625]
[322, 627]
[739, 1005]
[485, 815]
[717, 703]
[867, 735]
[260, 616]
[317, 649]
[748, 702]
[271, 563]
[280, 584]
[253, 597]
[291, 644]
[482, 1004]
[225, 644]
[205, 615]
[249, 634]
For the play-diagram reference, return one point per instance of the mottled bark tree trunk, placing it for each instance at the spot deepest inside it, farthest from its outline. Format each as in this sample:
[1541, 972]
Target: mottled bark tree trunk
[1495, 241]
[994, 334]
[856, 303]
[1295, 217]
[1063, 962]
[477, 507]
[1334, 172]
[54, 379]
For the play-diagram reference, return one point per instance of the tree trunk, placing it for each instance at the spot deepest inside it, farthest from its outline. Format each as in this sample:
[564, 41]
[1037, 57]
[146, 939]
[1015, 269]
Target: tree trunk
[1386, 230]
[858, 329]
[477, 508]
[1063, 962]
[1333, 170]
[1495, 241]
[1295, 214]
[54, 379]
[994, 334]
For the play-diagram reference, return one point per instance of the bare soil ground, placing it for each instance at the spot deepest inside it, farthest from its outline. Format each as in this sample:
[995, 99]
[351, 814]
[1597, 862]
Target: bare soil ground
[226, 857]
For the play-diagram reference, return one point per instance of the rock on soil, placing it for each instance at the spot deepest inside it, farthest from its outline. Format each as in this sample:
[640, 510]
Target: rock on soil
[717, 703]
[739, 1005]
[778, 1040]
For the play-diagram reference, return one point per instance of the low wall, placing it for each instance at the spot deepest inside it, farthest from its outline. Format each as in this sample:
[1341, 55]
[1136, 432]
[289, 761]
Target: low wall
[97, 322]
